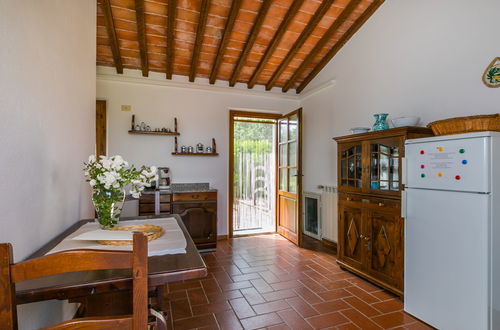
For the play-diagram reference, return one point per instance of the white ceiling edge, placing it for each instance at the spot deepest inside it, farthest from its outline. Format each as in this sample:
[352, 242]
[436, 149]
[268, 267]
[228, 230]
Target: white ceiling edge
[316, 90]
[155, 78]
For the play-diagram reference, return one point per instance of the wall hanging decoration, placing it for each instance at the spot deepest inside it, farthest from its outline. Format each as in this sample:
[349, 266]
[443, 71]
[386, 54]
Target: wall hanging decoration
[491, 76]
[144, 128]
[191, 151]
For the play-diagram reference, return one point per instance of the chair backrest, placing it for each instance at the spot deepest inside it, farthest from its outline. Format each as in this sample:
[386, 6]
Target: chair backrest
[73, 261]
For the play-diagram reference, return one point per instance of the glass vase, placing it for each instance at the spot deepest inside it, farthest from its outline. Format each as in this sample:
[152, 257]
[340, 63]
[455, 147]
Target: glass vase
[380, 122]
[108, 206]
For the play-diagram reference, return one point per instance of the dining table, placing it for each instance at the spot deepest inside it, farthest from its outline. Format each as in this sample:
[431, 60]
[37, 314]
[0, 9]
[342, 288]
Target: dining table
[99, 291]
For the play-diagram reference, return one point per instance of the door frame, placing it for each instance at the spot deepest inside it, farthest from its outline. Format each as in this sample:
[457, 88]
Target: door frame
[298, 197]
[232, 115]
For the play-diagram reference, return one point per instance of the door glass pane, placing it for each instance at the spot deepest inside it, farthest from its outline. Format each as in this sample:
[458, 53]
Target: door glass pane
[292, 180]
[343, 171]
[352, 168]
[282, 179]
[384, 185]
[292, 128]
[292, 154]
[283, 154]
[283, 130]
[358, 166]
[384, 149]
[384, 167]
[374, 167]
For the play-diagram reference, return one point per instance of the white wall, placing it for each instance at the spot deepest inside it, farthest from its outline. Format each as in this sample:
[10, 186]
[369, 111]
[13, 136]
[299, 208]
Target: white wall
[412, 57]
[47, 108]
[201, 114]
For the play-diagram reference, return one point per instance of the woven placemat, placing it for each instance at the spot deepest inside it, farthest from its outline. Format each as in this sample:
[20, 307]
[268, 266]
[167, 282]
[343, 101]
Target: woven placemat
[153, 232]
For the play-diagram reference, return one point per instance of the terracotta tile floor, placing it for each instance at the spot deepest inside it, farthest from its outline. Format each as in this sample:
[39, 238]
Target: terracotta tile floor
[265, 282]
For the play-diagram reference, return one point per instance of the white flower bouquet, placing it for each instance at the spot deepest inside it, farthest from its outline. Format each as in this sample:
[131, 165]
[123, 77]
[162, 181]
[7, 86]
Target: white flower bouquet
[108, 177]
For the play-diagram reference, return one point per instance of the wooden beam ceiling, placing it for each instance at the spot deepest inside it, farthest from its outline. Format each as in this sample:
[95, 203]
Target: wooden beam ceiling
[113, 40]
[264, 8]
[141, 36]
[235, 8]
[200, 32]
[274, 43]
[322, 42]
[172, 6]
[345, 37]
[306, 33]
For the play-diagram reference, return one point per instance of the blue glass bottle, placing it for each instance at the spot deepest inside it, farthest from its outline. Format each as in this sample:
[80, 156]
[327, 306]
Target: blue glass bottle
[380, 121]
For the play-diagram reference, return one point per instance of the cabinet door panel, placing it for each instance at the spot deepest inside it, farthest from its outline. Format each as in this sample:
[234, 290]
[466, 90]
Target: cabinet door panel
[385, 165]
[200, 224]
[350, 236]
[350, 167]
[385, 246]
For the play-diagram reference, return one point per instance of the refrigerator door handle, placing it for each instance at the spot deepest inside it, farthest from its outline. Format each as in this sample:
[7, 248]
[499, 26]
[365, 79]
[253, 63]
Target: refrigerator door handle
[403, 204]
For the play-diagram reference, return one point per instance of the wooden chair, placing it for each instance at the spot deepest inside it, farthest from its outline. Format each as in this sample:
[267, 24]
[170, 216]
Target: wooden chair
[73, 261]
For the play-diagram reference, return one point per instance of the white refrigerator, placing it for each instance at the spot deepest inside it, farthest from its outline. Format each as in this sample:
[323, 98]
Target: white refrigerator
[451, 206]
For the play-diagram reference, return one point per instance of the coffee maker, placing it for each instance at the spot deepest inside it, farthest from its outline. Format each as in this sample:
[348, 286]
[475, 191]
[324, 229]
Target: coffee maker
[163, 178]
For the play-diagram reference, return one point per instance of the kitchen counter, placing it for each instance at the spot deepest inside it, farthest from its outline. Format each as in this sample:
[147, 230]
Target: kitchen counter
[183, 188]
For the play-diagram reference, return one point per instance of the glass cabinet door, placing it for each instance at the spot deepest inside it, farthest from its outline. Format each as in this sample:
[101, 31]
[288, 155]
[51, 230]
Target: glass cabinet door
[385, 160]
[351, 167]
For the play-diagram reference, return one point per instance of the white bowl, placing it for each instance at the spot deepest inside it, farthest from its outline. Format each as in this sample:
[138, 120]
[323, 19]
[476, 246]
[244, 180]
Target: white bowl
[405, 121]
[358, 130]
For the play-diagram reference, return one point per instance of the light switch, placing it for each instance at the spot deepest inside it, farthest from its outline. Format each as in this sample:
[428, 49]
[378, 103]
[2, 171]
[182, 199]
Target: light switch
[126, 107]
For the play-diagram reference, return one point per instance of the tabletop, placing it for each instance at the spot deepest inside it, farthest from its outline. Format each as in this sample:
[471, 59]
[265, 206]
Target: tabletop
[162, 269]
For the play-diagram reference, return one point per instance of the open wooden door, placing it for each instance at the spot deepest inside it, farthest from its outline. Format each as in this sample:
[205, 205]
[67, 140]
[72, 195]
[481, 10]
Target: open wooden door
[289, 213]
[100, 128]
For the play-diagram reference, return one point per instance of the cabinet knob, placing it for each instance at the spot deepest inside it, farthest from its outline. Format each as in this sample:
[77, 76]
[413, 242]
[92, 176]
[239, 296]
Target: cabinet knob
[361, 236]
[348, 198]
[367, 238]
[380, 204]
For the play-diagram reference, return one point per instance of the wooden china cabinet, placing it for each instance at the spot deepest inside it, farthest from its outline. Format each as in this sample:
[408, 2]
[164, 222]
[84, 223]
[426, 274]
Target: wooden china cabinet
[371, 230]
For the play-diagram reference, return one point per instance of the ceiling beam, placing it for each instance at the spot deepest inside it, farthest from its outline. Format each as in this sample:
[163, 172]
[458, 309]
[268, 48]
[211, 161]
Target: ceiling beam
[349, 33]
[141, 36]
[275, 41]
[235, 8]
[250, 41]
[306, 33]
[322, 42]
[200, 31]
[113, 40]
[172, 6]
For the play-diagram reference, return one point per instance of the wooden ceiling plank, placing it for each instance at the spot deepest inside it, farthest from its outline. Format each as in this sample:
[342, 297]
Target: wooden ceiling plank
[172, 9]
[235, 8]
[254, 32]
[276, 40]
[200, 31]
[318, 15]
[113, 40]
[347, 35]
[322, 42]
[141, 36]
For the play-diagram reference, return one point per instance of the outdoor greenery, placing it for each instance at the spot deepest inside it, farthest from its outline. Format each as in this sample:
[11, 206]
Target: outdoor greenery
[253, 146]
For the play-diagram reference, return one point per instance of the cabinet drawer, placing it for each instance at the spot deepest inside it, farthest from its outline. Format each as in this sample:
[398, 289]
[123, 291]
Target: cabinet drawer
[148, 208]
[201, 196]
[150, 198]
[369, 201]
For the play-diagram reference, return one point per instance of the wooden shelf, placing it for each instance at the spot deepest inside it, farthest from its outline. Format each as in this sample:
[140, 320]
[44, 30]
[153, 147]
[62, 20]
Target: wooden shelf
[153, 133]
[195, 153]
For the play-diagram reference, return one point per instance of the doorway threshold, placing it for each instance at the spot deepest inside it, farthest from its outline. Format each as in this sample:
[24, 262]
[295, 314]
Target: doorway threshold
[253, 232]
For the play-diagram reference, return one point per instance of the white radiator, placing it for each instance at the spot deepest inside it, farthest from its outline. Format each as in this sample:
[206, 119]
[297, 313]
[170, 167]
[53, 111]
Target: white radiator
[329, 212]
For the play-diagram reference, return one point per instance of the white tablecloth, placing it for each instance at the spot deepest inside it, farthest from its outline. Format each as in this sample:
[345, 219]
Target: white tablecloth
[171, 242]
